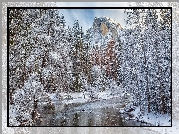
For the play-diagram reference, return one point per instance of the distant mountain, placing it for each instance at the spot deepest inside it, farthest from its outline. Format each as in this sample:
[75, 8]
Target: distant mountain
[105, 25]
[103, 30]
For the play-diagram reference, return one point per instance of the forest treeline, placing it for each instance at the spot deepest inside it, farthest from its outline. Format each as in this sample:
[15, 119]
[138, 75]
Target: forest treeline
[46, 56]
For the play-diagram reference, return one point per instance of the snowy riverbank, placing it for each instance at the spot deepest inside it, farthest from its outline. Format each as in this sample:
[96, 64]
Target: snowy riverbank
[83, 101]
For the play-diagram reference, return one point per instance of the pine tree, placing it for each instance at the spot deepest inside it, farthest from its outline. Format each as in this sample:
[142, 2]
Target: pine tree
[150, 46]
[76, 50]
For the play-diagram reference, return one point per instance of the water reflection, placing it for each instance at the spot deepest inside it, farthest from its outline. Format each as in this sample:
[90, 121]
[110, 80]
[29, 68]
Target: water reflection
[105, 116]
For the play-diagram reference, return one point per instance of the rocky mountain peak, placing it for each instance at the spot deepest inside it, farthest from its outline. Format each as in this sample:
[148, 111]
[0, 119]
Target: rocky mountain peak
[105, 27]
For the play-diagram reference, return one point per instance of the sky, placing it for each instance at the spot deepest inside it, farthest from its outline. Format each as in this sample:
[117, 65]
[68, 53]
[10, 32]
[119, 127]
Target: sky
[86, 16]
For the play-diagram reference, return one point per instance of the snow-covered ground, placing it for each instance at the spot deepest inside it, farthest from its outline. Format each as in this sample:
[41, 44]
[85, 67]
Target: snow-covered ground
[154, 119]
[85, 98]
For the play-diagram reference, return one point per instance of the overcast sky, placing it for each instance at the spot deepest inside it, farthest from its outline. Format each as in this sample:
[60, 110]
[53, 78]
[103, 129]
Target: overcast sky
[86, 16]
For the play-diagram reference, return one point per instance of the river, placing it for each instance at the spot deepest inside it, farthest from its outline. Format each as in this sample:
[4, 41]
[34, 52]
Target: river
[98, 113]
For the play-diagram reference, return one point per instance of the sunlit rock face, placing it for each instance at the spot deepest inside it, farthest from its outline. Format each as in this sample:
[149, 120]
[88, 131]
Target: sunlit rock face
[106, 27]
[103, 30]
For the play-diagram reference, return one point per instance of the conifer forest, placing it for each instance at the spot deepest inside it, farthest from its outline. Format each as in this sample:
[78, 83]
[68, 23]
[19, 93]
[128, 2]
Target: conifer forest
[107, 75]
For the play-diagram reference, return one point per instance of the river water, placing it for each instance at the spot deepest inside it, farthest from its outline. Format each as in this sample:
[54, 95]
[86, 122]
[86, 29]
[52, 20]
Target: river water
[99, 113]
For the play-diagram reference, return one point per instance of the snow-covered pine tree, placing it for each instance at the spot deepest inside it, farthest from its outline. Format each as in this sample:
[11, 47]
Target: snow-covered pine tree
[42, 52]
[165, 59]
[22, 43]
[76, 52]
[150, 49]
